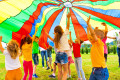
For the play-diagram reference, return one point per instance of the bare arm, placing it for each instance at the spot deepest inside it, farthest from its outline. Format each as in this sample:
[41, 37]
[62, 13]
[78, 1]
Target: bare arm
[48, 36]
[45, 46]
[111, 37]
[70, 38]
[68, 22]
[91, 30]
[36, 29]
[106, 29]
[1, 47]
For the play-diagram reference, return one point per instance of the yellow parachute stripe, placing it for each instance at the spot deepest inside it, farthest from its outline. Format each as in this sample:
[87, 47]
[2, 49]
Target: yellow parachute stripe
[10, 8]
[63, 20]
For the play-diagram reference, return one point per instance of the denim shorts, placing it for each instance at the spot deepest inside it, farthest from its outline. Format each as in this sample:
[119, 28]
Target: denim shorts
[61, 57]
[99, 74]
[35, 59]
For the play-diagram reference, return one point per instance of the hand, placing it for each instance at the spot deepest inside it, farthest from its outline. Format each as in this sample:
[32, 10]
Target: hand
[88, 20]
[36, 29]
[68, 15]
[0, 38]
[104, 24]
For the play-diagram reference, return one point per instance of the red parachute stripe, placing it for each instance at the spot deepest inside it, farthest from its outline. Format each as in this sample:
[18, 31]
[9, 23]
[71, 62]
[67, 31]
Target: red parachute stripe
[49, 23]
[60, 0]
[114, 20]
[77, 27]
[89, 0]
[27, 26]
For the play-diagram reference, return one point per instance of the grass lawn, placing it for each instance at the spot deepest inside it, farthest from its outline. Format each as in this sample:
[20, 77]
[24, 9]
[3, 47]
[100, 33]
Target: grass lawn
[112, 64]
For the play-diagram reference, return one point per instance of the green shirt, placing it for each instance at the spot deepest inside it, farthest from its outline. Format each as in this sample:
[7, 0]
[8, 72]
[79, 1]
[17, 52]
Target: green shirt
[35, 48]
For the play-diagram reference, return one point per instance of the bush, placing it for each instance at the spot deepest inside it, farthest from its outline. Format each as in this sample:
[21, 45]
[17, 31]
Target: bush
[108, 49]
[86, 50]
[82, 50]
[114, 50]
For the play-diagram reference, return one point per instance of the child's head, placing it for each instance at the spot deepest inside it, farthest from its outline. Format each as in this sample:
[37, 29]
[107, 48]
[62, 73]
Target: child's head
[36, 39]
[58, 31]
[99, 33]
[50, 47]
[76, 40]
[26, 39]
[13, 49]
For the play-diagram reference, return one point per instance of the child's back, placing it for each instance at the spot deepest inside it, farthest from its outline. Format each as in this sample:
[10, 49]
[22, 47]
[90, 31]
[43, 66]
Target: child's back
[27, 51]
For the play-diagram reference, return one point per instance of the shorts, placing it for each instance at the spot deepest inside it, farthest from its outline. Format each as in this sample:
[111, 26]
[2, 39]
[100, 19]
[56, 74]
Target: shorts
[49, 55]
[61, 57]
[50, 60]
[70, 60]
[35, 59]
[55, 63]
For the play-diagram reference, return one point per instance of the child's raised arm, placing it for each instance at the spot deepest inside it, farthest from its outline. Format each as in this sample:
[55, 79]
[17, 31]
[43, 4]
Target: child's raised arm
[92, 33]
[70, 37]
[106, 29]
[1, 47]
[36, 29]
[68, 22]
[48, 35]
[111, 37]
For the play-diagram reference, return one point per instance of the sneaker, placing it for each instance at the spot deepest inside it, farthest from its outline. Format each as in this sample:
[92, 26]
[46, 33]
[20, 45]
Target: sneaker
[35, 76]
[51, 70]
[48, 68]
[51, 76]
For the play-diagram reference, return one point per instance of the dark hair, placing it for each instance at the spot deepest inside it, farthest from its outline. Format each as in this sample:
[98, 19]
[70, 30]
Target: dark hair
[59, 31]
[25, 39]
[36, 37]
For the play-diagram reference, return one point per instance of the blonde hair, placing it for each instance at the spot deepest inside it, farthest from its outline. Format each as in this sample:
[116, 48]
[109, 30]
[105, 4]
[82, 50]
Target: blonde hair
[99, 33]
[13, 49]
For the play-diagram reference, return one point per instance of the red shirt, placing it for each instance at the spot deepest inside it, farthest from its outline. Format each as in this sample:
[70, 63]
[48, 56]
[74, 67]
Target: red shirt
[76, 50]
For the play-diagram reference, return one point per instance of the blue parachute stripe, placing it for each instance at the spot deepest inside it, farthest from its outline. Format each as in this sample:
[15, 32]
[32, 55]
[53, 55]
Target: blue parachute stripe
[110, 12]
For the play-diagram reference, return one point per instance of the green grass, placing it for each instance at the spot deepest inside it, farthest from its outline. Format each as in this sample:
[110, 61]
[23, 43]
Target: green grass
[112, 64]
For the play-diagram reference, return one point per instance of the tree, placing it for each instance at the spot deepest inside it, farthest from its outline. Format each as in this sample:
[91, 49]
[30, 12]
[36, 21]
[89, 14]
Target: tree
[82, 50]
[86, 50]
[114, 50]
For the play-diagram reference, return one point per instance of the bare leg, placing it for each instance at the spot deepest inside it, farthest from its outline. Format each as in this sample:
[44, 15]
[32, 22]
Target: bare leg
[65, 71]
[59, 71]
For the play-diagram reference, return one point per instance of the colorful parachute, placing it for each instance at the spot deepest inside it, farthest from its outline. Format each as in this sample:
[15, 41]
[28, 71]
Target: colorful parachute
[20, 17]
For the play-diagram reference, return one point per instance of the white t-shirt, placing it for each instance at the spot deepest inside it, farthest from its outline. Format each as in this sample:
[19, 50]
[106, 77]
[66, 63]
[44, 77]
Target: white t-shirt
[42, 49]
[10, 63]
[69, 53]
[63, 44]
[118, 41]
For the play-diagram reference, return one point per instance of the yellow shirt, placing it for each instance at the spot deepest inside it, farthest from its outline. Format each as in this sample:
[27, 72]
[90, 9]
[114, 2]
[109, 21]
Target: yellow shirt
[97, 54]
[27, 52]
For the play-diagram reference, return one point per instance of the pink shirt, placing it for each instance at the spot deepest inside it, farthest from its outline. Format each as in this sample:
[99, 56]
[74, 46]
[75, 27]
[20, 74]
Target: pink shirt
[105, 46]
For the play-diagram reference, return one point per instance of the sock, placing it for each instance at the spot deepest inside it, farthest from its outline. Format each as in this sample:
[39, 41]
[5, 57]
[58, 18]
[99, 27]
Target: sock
[53, 74]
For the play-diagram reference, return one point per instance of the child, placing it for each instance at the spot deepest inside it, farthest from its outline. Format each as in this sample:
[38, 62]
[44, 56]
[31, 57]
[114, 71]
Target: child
[54, 66]
[44, 54]
[70, 60]
[12, 62]
[118, 45]
[49, 52]
[77, 56]
[26, 48]
[99, 71]
[104, 41]
[62, 45]
[35, 51]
